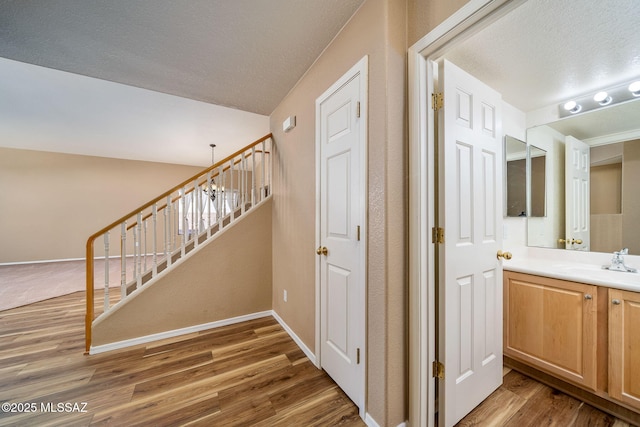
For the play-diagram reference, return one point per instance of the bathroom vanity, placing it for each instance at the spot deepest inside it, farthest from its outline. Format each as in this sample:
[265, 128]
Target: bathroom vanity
[577, 328]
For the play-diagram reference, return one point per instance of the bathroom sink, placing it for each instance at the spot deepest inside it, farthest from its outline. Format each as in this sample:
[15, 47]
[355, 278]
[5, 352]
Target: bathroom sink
[589, 272]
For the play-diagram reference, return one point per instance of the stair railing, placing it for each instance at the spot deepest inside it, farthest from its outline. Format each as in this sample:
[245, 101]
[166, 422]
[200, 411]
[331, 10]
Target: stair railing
[147, 241]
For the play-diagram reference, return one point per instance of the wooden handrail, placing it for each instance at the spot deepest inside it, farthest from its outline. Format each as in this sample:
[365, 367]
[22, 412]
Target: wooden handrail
[90, 241]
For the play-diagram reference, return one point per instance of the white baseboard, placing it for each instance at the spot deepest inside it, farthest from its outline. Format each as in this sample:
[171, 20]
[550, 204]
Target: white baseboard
[306, 350]
[176, 332]
[370, 422]
[202, 327]
[43, 261]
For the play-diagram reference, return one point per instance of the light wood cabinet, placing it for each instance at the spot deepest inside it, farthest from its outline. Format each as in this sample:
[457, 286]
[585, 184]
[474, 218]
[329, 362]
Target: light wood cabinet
[551, 324]
[624, 347]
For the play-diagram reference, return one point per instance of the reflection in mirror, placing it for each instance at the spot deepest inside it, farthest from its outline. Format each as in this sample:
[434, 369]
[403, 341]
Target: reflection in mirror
[515, 176]
[537, 181]
[614, 174]
[519, 56]
[615, 197]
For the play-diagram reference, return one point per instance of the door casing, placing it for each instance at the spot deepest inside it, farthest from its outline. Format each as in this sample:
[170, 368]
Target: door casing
[473, 16]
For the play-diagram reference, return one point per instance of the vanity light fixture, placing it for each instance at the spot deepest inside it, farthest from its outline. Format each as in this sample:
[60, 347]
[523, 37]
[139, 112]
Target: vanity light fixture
[602, 98]
[607, 96]
[573, 107]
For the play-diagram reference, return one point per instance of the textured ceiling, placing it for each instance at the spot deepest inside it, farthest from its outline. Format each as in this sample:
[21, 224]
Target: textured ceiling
[546, 51]
[245, 54]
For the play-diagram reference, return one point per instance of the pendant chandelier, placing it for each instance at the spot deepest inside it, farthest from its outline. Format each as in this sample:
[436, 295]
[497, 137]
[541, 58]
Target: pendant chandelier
[211, 189]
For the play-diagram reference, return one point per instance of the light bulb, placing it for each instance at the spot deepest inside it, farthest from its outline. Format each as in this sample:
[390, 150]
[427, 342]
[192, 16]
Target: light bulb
[572, 106]
[602, 98]
[634, 88]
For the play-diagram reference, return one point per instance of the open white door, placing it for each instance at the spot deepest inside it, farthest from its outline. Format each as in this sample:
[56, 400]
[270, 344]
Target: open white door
[470, 274]
[578, 211]
[341, 144]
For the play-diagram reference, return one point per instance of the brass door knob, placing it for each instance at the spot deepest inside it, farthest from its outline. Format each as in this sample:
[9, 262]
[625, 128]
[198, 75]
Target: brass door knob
[322, 250]
[505, 255]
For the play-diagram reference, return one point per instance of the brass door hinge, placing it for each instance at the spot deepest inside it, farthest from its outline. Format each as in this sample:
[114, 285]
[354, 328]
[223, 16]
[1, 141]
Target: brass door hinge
[437, 101]
[438, 370]
[437, 235]
[357, 356]
[358, 109]
[358, 233]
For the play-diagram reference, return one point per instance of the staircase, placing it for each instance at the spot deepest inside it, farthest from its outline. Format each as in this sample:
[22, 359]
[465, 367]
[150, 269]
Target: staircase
[143, 245]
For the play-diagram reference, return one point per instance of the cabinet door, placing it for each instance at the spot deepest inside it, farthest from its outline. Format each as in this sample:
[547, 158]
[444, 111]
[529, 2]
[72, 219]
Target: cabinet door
[552, 325]
[624, 346]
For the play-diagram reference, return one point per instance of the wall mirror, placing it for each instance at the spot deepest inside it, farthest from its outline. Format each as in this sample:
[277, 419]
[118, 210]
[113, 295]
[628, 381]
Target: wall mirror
[515, 176]
[612, 214]
[540, 55]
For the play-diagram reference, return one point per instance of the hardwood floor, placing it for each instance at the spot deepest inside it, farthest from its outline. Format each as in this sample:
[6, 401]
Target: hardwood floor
[245, 374]
[523, 402]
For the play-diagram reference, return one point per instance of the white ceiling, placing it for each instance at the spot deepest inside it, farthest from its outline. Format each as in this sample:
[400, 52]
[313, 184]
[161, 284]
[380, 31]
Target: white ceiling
[152, 79]
[49, 110]
[245, 54]
[547, 51]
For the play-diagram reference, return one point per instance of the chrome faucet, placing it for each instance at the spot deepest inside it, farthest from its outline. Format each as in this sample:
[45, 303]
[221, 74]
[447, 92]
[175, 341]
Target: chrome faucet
[617, 262]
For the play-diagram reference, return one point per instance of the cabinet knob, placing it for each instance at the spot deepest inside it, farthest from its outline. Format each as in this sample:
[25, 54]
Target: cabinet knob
[615, 301]
[588, 296]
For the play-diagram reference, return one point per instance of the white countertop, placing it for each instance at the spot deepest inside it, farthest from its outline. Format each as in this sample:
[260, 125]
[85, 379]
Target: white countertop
[575, 271]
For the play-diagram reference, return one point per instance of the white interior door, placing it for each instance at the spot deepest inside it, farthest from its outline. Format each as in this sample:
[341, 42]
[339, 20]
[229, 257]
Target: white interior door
[578, 211]
[341, 245]
[470, 211]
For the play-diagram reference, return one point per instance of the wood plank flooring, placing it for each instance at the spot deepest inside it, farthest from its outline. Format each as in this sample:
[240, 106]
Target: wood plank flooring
[523, 402]
[245, 374]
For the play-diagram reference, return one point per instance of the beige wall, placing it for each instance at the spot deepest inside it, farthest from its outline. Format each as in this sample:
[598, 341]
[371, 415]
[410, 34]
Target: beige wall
[379, 31]
[51, 202]
[229, 277]
[425, 15]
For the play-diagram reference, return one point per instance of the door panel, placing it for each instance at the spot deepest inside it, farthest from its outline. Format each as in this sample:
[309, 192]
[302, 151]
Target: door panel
[341, 209]
[470, 276]
[338, 217]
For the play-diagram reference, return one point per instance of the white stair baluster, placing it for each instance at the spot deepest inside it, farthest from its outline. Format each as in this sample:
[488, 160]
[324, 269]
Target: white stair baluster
[154, 216]
[138, 251]
[144, 243]
[106, 271]
[195, 212]
[123, 260]
[167, 235]
[183, 202]
[220, 195]
[262, 186]
[253, 176]
[270, 169]
[209, 192]
[244, 182]
[233, 192]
